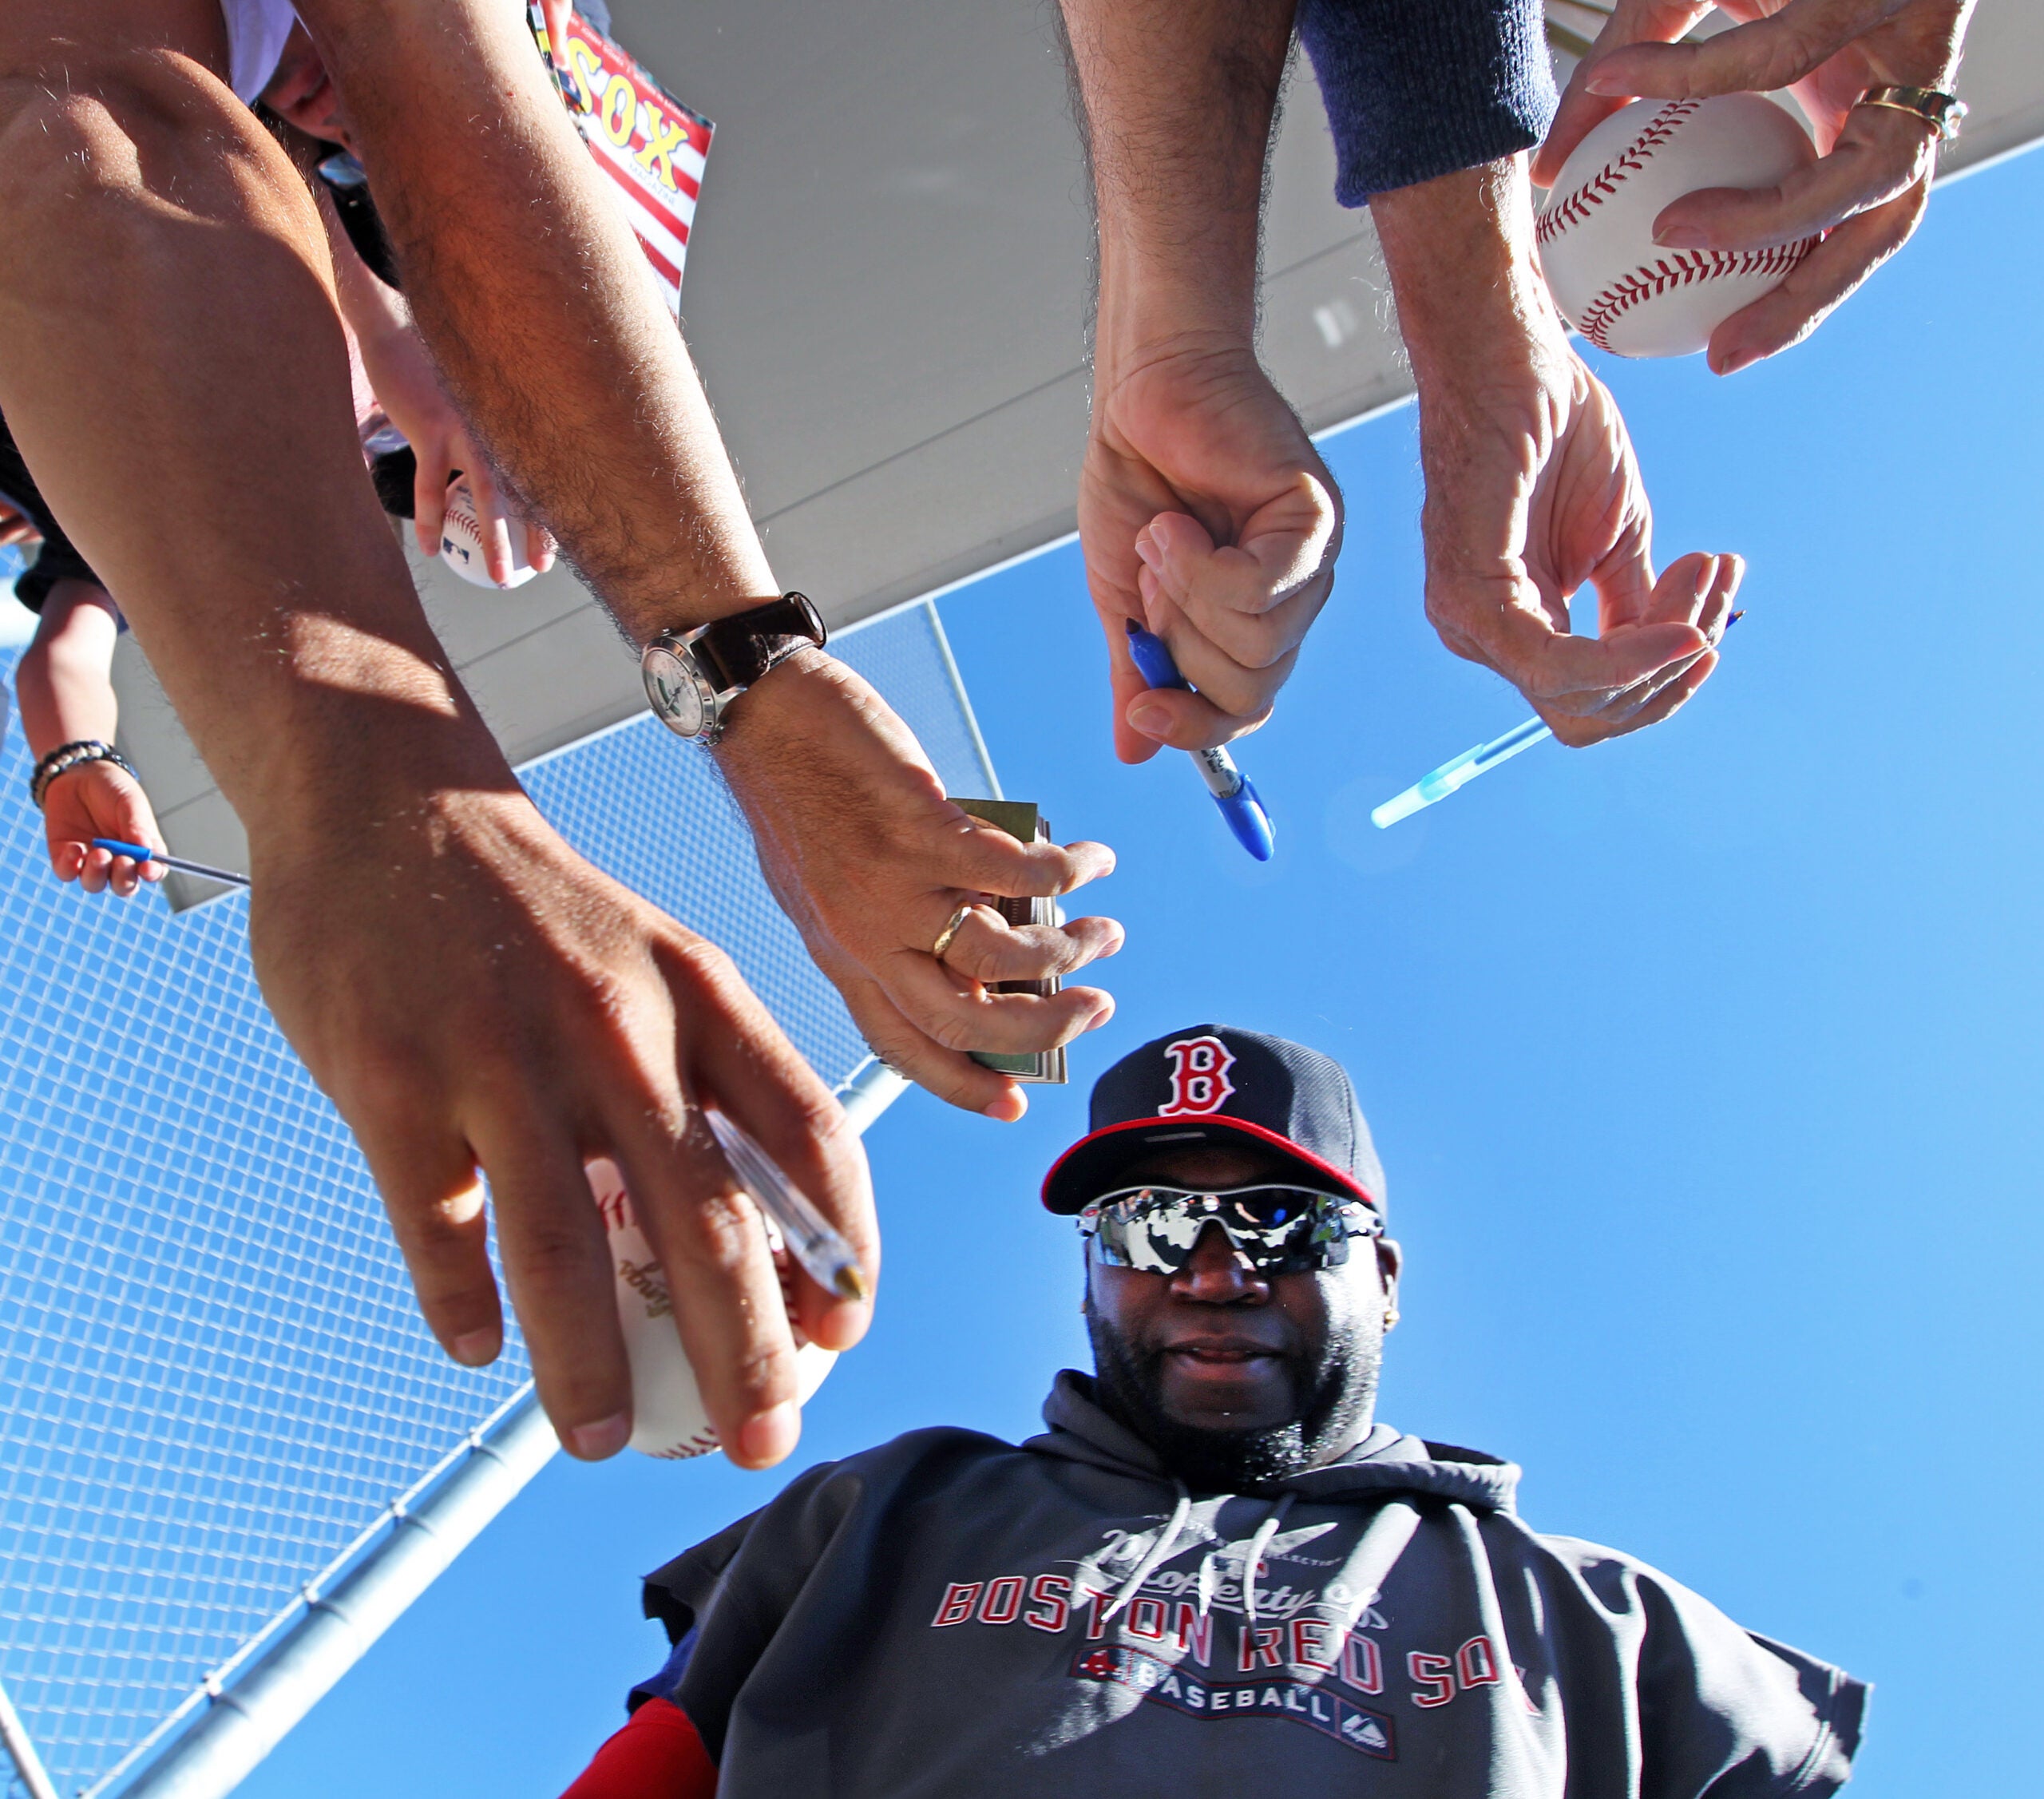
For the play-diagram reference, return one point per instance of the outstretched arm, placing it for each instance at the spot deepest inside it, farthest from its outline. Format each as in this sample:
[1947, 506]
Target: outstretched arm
[565, 361]
[476, 999]
[1204, 510]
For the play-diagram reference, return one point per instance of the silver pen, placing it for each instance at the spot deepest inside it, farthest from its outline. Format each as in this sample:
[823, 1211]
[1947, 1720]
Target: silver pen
[826, 1256]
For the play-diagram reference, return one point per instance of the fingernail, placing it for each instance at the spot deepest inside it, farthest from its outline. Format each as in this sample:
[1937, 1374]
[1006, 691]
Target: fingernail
[1152, 721]
[1146, 550]
[1682, 237]
[474, 1348]
[594, 1443]
[1741, 359]
[1603, 84]
[768, 1438]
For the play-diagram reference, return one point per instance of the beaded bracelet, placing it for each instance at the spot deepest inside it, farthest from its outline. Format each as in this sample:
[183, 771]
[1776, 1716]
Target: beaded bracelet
[67, 756]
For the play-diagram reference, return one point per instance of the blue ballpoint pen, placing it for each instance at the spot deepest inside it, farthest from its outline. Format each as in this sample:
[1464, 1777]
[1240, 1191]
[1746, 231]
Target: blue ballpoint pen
[142, 853]
[1240, 803]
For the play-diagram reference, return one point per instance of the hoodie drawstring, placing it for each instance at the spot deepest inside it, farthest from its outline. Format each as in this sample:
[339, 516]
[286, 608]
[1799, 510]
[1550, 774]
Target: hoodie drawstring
[1257, 1545]
[1160, 1552]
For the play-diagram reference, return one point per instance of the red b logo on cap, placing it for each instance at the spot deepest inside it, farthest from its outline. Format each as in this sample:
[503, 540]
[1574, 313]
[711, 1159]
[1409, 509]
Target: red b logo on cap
[1199, 1077]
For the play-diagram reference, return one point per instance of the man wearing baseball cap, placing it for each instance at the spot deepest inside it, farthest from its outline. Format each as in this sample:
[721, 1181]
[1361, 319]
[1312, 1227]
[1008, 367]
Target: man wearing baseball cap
[1216, 1572]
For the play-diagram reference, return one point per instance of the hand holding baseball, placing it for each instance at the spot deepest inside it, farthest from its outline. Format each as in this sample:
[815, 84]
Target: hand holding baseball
[1868, 187]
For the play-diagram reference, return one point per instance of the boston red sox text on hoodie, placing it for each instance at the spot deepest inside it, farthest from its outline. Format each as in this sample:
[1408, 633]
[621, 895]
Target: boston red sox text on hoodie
[949, 1614]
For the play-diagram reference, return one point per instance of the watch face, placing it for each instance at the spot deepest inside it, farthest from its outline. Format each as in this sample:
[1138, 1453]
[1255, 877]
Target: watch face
[673, 691]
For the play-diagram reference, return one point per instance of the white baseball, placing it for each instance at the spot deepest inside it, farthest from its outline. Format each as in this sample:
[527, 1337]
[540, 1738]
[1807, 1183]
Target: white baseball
[1613, 283]
[461, 542]
[667, 1418]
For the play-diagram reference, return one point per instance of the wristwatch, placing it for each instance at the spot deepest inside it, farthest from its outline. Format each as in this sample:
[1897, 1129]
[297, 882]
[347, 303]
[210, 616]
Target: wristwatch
[692, 677]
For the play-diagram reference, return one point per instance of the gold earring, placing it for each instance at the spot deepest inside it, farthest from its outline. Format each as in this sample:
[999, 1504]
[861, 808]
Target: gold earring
[1391, 1317]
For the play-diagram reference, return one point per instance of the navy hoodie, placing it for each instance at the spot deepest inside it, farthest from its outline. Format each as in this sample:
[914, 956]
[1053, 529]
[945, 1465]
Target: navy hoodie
[951, 1615]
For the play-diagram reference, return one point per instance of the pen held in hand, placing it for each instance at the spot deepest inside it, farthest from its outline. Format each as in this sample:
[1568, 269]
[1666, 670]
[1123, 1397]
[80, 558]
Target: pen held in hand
[142, 853]
[1459, 771]
[1240, 803]
[827, 1257]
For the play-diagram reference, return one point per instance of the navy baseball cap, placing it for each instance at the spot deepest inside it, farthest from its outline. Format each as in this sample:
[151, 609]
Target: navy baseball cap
[1211, 1084]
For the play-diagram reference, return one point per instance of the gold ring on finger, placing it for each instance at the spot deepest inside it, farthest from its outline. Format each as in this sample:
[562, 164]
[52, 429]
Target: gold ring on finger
[950, 930]
[1944, 113]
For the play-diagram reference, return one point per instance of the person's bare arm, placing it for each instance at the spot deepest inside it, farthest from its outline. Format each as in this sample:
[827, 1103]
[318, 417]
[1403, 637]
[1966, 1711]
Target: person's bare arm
[476, 999]
[1204, 510]
[527, 283]
[1532, 489]
[64, 683]
[565, 361]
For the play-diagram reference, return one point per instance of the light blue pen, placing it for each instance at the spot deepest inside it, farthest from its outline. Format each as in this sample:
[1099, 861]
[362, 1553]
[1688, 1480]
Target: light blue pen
[142, 853]
[1464, 768]
[1458, 773]
[1240, 803]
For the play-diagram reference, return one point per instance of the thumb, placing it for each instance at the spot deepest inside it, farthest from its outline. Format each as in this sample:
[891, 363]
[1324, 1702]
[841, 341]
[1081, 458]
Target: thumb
[1583, 109]
[1290, 536]
[1579, 113]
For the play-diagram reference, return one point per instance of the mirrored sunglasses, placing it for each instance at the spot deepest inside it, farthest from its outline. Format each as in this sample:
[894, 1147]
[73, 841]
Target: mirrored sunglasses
[1275, 1229]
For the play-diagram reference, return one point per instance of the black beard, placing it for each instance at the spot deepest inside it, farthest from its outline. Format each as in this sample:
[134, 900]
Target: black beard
[1339, 1388]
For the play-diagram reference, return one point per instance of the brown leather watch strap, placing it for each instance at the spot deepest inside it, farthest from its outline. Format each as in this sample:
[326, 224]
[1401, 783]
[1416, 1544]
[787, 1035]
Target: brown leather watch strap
[737, 650]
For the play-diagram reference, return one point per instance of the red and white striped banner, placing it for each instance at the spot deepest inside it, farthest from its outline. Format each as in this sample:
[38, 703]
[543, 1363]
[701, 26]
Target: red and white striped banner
[652, 148]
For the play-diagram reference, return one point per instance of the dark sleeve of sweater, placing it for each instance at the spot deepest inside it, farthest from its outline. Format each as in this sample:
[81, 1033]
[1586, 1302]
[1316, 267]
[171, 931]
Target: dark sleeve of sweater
[1419, 88]
[59, 560]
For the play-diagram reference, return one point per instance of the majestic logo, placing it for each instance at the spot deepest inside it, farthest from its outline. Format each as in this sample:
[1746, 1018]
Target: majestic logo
[1199, 1077]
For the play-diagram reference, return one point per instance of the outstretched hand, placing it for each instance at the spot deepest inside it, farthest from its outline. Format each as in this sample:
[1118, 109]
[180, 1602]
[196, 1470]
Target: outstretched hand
[1531, 496]
[1867, 190]
[870, 858]
[1205, 514]
[478, 1000]
[1532, 489]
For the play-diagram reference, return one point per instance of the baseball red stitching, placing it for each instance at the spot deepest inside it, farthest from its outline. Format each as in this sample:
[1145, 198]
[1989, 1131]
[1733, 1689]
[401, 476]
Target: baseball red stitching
[1573, 208]
[701, 1443]
[1679, 269]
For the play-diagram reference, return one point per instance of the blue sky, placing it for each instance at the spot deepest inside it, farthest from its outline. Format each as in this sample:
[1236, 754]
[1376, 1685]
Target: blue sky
[1704, 1065]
